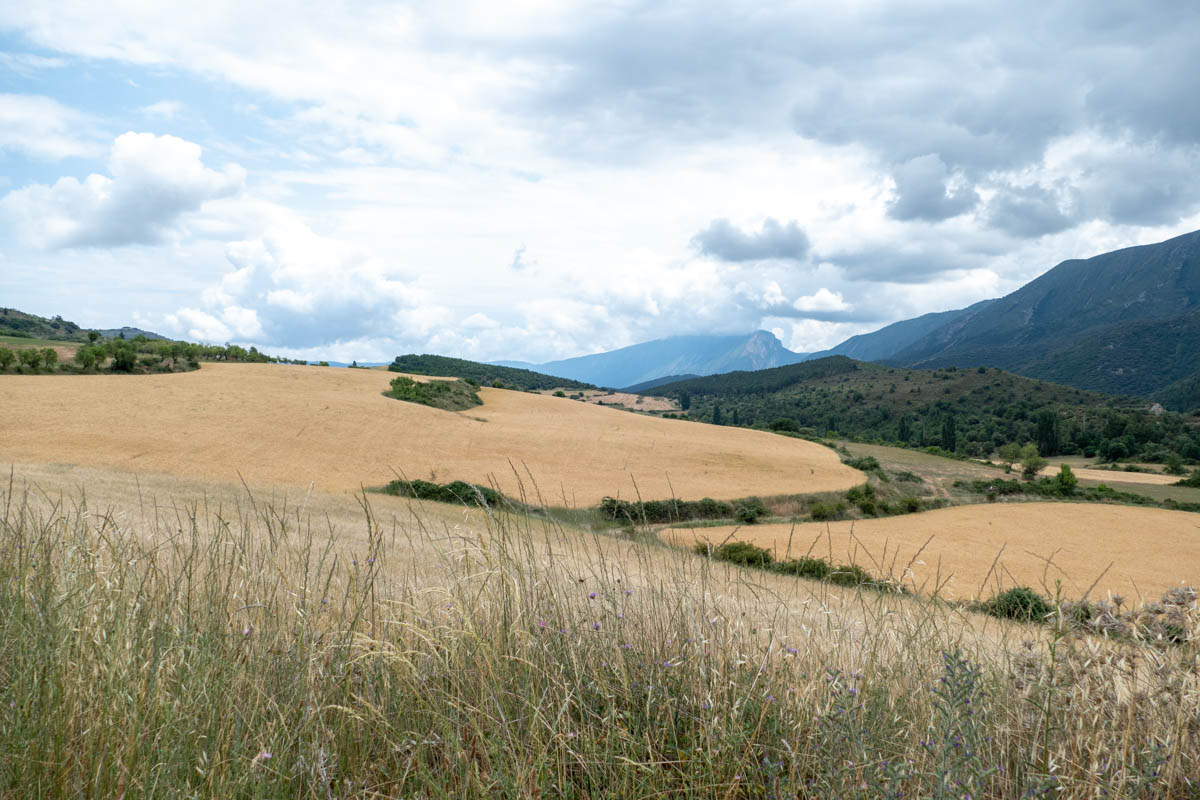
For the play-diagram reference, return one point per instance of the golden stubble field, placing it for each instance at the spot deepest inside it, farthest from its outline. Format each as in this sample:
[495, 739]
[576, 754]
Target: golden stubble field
[1135, 552]
[333, 428]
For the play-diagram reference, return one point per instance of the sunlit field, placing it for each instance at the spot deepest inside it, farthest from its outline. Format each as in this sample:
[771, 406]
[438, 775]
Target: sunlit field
[167, 636]
[333, 428]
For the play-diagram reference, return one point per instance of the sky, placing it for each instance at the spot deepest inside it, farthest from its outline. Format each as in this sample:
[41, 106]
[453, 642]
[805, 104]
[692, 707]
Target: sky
[538, 180]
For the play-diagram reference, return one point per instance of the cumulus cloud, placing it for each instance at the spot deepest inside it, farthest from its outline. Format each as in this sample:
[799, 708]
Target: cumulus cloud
[725, 241]
[923, 191]
[153, 181]
[822, 300]
[293, 288]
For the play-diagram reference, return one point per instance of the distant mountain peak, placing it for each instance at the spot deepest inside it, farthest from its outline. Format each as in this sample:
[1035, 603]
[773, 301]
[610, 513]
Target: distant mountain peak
[675, 355]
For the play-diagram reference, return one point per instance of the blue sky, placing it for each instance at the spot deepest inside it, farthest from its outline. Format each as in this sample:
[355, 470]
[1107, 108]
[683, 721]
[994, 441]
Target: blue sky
[537, 180]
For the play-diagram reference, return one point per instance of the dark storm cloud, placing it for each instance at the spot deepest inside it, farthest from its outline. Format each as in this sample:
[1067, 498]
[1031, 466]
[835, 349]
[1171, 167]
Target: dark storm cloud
[920, 257]
[1027, 212]
[725, 241]
[922, 191]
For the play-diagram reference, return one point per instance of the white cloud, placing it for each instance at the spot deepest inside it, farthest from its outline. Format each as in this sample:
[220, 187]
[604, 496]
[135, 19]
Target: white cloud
[166, 109]
[822, 300]
[29, 64]
[154, 181]
[292, 288]
[480, 322]
[44, 128]
[617, 140]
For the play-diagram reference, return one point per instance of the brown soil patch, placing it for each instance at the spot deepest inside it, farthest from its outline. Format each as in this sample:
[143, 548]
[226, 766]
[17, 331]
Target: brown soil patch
[294, 424]
[1150, 550]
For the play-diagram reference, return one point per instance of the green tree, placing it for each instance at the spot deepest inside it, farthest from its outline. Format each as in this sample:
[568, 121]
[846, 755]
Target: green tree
[89, 357]
[685, 400]
[124, 357]
[31, 359]
[1174, 465]
[949, 433]
[717, 420]
[7, 357]
[1031, 462]
[1066, 479]
[50, 358]
[93, 336]
[1047, 433]
[1009, 454]
[904, 433]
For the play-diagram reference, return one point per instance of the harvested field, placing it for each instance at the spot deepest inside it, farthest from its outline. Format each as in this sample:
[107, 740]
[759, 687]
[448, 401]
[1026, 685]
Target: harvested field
[1144, 550]
[296, 425]
[1111, 476]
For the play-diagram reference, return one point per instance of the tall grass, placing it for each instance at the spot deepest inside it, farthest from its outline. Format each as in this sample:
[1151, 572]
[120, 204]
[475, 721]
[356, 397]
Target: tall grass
[251, 652]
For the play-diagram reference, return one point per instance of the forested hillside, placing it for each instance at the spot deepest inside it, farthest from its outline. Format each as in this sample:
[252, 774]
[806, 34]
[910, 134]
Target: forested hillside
[487, 374]
[965, 411]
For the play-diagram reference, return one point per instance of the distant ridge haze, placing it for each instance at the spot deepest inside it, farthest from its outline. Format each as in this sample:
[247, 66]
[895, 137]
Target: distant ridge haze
[675, 355]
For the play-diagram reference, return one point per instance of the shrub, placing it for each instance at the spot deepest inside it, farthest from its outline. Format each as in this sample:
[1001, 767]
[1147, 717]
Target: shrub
[456, 395]
[1192, 480]
[815, 568]
[749, 511]
[1019, 603]
[741, 553]
[457, 492]
[7, 357]
[1066, 479]
[850, 575]
[823, 511]
[666, 510]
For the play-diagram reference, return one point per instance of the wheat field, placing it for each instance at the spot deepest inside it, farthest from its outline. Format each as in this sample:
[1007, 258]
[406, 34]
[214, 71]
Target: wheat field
[972, 552]
[332, 427]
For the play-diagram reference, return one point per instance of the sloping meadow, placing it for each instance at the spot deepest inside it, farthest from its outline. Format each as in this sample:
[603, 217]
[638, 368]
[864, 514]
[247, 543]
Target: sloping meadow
[227, 643]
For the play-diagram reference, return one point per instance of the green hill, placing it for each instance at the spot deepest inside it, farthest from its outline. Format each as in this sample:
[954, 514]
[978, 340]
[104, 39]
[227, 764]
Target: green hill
[31, 326]
[487, 374]
[967, 411]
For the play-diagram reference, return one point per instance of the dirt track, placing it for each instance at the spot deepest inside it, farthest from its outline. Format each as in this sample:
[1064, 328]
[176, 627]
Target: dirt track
[1150, 550]
[296, 425]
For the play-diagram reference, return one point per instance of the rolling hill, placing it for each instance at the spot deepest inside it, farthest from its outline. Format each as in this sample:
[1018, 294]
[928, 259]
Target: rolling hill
[968, 411]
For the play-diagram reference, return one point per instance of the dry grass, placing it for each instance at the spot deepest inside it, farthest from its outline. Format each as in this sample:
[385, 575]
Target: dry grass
[167, 637]
[295, 425]
[971, 552]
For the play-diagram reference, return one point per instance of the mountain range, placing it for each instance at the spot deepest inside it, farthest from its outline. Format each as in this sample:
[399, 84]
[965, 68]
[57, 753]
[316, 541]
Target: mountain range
[673, 356]
[1125, 322]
